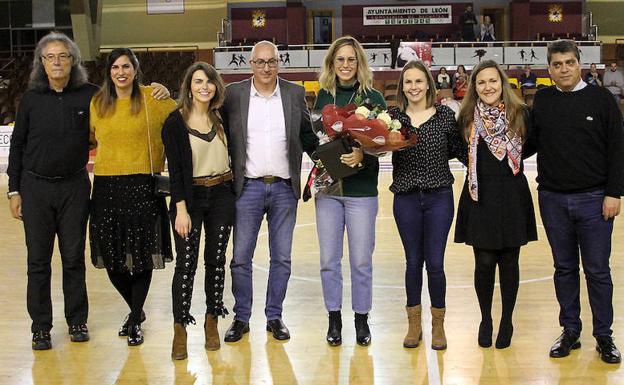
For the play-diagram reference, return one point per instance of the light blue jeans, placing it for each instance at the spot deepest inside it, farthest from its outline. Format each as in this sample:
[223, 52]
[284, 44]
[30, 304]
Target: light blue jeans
[278, 203]
[357, 215]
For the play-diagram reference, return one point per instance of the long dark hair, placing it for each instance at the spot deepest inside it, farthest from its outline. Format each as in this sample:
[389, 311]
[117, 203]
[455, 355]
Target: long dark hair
[514, 107]
[104, 100]
[185, 102]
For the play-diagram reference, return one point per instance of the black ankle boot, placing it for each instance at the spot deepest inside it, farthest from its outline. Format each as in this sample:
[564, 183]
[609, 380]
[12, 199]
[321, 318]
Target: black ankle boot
[334, 336]
[485, 333]
[505, 332]
[362, 332]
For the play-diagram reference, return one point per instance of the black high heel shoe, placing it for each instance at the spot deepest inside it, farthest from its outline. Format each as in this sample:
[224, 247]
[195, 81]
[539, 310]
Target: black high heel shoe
[135, 334]
[123, 330]
[485, 334]
[505, 332]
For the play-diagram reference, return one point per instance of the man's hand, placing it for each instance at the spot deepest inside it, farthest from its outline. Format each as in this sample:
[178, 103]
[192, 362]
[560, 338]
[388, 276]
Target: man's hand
[610, 208]
[160, 92]
[15, 205]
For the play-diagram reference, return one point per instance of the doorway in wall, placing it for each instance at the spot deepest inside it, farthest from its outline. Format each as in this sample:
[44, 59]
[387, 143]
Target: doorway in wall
[321, 26]
[499, 19]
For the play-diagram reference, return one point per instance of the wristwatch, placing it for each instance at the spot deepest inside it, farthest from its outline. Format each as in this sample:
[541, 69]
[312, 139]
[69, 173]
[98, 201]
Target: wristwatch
[11, 194]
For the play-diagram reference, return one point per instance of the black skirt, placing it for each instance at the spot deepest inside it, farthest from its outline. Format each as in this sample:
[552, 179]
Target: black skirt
[504, 215]
[129, 229]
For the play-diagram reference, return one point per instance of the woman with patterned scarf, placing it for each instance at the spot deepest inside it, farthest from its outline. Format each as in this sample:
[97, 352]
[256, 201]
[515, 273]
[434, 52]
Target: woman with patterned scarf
[495, 214]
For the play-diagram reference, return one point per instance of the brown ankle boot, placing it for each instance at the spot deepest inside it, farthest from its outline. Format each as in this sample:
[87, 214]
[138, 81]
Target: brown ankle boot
[212, 333]
[178, 351]
[438, 338]
[414, 331]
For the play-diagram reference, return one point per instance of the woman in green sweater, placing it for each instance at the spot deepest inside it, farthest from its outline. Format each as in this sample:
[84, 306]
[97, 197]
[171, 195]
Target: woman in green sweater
[345, 77]
[128, 237]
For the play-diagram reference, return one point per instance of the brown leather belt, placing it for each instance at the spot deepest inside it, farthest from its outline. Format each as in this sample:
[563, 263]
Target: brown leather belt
[209, 181]
[270, 179]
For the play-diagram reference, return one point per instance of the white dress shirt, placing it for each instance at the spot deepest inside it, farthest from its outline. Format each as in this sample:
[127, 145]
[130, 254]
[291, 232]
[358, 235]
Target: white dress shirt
[579, 86]
[267, 150]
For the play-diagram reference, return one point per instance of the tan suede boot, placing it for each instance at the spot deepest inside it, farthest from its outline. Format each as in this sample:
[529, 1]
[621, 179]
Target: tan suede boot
[212, 333]
[438, 338]
[414, 331]
[178, 351]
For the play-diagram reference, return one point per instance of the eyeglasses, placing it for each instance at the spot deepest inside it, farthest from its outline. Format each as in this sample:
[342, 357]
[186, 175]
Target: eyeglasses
[260, 63]
[62, 57]
[351, 61]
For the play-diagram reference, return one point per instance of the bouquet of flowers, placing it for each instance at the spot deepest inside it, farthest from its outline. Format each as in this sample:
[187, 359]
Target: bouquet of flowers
[374, 128]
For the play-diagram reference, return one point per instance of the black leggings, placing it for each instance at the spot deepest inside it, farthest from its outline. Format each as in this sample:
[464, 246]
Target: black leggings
[133, 288]
[509, 276]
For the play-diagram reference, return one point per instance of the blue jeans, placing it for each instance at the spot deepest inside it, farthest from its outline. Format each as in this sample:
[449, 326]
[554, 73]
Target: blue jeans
[574, 222]
[424, 220]
[277, 201]
[357, 214]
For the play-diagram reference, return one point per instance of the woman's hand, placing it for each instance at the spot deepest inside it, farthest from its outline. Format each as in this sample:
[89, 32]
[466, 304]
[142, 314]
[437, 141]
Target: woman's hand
[183, 220]
[354, 158]
[160, 92]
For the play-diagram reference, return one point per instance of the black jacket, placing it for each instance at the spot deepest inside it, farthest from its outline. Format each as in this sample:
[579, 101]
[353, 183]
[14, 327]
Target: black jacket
[51, 133]
[175, 137]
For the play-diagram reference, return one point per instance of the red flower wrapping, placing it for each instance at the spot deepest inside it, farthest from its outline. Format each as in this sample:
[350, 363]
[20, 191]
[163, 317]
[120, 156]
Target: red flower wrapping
[373, 134]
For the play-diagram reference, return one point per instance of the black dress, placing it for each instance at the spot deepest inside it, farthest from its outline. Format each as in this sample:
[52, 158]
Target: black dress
[504, 216]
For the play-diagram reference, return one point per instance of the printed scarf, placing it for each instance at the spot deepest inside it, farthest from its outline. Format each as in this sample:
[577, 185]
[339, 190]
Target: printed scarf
[491, 125]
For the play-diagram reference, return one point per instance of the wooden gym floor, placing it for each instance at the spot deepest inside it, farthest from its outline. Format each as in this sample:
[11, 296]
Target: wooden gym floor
[306, 358]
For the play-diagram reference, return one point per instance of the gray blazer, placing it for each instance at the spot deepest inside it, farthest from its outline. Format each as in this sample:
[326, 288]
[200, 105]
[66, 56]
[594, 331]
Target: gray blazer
[299, 135]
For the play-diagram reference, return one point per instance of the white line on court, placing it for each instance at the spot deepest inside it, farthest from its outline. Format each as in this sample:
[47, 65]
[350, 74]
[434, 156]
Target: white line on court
[392, 287]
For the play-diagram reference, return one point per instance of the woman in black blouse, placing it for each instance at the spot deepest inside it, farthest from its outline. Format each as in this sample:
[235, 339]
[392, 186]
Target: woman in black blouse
[495, 214]
[201, 195]
[423, 200]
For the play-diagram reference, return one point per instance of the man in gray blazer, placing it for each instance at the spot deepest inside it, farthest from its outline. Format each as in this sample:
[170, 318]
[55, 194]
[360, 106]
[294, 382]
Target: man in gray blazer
[268, 128]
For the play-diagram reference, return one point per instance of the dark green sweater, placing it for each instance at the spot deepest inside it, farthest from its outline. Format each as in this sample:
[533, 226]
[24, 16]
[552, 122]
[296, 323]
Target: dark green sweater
[364, 183]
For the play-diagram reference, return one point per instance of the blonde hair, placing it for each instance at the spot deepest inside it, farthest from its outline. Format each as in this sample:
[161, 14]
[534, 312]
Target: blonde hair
[514, 107]
[402, 101]
[364, 75]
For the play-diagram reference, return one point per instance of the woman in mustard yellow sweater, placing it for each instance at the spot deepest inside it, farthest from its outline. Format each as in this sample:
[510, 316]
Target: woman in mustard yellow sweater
[128, 237]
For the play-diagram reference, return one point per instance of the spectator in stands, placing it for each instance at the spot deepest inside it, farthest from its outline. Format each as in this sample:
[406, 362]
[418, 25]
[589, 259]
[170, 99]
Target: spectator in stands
[269, 127]
[580, 172]
[495, 214]
[528, 79]
[593, 77]
[444, 79]
[422, 184]
[461, 71]
[345, 78]
[487, 29]
[461, 87]
[201, 196]
[613, 79]
[395, 42]
[468, 22]
[128, 228]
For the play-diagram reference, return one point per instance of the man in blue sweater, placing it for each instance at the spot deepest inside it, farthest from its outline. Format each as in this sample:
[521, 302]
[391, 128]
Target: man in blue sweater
[578, 134]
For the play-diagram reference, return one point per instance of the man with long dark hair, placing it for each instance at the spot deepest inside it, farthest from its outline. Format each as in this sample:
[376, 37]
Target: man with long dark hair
[48, 183]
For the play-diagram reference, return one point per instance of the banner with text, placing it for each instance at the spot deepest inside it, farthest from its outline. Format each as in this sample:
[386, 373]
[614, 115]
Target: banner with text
[400, 15]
